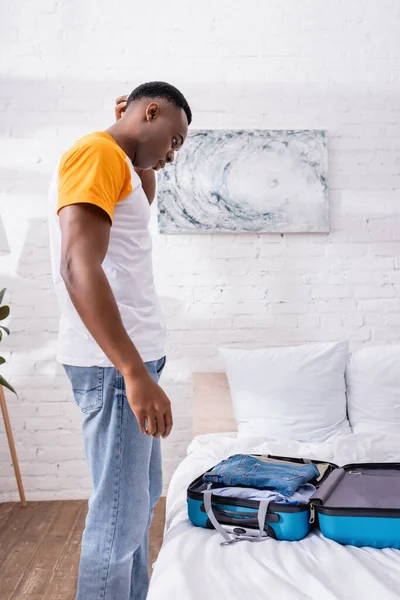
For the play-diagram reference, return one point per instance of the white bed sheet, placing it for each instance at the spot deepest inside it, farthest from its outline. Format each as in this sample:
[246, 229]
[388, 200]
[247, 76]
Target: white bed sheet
[192, 564]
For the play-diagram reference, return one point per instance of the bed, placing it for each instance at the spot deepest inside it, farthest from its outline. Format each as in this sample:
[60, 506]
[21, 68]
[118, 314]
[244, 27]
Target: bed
[192, 564]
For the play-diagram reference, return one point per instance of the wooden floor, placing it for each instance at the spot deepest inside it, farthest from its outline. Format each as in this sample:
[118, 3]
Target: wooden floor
[40, 546]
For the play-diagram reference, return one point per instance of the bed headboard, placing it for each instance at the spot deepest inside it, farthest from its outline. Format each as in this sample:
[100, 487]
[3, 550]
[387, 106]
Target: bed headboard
[212, 405]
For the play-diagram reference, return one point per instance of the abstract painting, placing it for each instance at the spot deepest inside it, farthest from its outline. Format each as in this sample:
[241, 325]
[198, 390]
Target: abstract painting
[246, 181]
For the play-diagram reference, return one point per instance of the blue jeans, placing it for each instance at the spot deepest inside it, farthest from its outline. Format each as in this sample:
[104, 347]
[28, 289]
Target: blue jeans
[125, 466]
[248, 471]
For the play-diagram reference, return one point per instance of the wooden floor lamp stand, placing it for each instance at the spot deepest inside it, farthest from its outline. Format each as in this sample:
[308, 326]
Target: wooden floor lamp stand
[11, 444]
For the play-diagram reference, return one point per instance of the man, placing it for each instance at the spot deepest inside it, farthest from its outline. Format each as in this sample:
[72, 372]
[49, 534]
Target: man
[111, 339]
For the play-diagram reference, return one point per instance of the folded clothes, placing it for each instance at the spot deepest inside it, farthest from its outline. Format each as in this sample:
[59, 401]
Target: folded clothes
[248, 471]
[322, 467]
[302, 496]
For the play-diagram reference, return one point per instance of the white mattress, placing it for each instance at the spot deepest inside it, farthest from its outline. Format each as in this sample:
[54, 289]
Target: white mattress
[192, 564]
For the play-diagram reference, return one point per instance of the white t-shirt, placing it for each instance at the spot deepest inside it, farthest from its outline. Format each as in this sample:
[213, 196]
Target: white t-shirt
[97, 171]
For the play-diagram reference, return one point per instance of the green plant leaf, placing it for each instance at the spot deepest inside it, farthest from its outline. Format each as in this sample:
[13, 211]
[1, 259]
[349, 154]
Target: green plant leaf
[5, 329]
[4, 312]
[2, 295]
[5, 384]
[2, 360]
[1, 335]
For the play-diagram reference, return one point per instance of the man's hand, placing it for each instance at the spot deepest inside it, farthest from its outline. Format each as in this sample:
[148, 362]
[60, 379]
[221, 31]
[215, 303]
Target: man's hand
[120, 106]
[150, 405]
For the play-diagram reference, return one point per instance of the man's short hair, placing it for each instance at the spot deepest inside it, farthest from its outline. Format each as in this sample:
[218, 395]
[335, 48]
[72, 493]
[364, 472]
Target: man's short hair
[160, 89]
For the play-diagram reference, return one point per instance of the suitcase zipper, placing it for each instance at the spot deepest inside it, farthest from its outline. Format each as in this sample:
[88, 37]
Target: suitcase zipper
[312, 514]
[367, 473]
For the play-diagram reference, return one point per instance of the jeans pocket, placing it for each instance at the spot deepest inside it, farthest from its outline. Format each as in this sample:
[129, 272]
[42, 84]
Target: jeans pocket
[87, 385]
[254, 471]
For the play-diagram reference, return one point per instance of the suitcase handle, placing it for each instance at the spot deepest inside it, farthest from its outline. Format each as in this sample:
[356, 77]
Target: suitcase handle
[236, 516]
[242, 521]
[239, 534]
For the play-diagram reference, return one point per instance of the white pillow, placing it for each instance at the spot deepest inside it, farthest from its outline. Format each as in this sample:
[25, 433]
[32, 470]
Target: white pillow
[373, 389]
[294, 393]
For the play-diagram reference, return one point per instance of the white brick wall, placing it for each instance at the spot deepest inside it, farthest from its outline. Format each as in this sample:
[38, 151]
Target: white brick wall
[279, 64]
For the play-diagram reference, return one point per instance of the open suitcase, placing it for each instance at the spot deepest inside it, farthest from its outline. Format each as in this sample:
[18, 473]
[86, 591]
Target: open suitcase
[240, 517]
[357, 505]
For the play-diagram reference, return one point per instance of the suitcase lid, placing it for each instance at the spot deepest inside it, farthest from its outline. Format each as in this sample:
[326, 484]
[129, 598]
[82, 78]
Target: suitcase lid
[363, 489]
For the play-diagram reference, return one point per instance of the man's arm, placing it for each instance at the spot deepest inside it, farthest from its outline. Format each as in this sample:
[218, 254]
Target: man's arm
[147, 177]
[85, 236]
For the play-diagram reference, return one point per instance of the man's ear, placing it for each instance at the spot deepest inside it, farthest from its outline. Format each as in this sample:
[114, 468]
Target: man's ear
[152, 111]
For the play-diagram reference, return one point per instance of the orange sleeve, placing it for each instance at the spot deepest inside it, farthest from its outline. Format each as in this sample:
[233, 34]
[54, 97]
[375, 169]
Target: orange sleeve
[94, 171]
